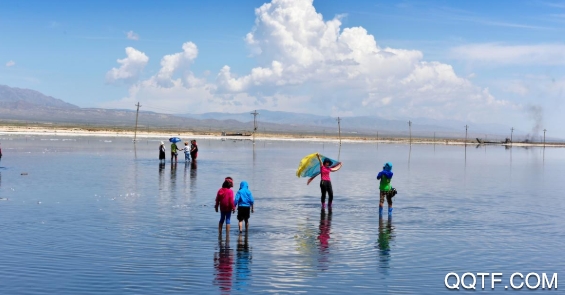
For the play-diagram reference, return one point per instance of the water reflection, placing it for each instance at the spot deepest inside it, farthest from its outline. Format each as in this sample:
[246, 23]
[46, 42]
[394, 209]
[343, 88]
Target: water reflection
[173, 176]
[324, 238]
[223, 266]
[161, 175]
[243, 270]
[386, 236]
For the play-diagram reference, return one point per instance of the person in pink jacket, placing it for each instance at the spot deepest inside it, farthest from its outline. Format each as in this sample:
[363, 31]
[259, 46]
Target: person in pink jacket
[225, 201]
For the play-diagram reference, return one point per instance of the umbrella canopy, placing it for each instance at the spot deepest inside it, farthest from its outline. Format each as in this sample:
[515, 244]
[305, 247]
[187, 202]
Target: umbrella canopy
[175, 139]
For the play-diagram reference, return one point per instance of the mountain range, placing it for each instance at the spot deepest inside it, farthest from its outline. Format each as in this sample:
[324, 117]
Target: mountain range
[27, 105]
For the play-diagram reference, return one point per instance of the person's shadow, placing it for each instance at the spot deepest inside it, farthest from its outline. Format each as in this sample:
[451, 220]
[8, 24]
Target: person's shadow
[386, 236]
[223, 266]
[324, 238]
[242, 264]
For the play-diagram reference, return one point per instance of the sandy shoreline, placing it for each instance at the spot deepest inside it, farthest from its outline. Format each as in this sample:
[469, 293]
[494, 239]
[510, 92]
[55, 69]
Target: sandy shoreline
[160, 135]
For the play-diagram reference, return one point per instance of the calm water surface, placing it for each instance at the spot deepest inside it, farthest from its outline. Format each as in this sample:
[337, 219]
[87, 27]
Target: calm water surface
[98, 216]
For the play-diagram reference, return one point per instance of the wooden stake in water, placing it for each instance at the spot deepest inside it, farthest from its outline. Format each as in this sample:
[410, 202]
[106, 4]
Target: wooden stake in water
[136, 116]
[339, 129]
[544, 130]
[254, 124]
[466, 127]
[410, 130]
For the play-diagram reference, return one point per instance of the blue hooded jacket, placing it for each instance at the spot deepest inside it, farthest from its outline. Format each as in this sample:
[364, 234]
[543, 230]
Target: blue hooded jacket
[244, 198]
[387, 171]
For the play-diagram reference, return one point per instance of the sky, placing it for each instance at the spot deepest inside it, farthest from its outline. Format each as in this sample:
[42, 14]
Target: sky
[474, 61]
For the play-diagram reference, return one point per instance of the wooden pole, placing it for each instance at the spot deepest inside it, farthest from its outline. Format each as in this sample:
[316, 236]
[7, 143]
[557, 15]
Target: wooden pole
[136, 117]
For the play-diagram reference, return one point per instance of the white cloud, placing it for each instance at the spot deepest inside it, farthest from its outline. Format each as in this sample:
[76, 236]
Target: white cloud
[500, 54]
[308, 64]
[130, 69]
[172, 63]
[132, 36]
[10, 63]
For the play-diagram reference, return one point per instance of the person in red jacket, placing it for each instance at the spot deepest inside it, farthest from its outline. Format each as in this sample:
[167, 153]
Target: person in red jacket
[225, 201]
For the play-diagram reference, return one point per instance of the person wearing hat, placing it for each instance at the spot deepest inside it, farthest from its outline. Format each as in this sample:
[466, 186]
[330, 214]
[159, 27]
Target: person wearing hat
[162, 151]
[385, 177]
[186, 151]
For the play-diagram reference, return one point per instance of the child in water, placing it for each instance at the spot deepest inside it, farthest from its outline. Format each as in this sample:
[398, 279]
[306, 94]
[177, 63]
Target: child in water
[186, 150]
[244, 201]
[385, 177]
[225, 201]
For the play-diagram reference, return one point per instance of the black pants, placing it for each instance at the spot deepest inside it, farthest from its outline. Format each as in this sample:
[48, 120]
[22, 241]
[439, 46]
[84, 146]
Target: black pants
[326, 186]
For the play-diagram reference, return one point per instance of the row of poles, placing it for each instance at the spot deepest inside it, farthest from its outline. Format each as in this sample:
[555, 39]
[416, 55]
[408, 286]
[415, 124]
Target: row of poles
[255, 113]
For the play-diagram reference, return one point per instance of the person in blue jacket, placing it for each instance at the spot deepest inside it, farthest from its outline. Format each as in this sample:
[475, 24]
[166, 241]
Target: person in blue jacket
[244, 202]
[385, 177]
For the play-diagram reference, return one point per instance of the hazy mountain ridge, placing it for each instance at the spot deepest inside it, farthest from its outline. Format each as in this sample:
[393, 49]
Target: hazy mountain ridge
[32, 106]
[366, 124]
[18, 98]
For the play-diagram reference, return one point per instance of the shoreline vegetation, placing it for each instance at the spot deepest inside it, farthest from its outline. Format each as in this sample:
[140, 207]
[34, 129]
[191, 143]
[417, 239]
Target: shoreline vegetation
[166, 132]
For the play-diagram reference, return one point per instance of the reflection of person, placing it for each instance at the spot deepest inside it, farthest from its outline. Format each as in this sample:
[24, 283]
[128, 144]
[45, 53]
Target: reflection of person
[193, 149]
[243, 272]
[325, 227]
[326, 183]
[385, 176]
[186, 151]
[244, 202]
[174, 151]
[324, 238]
[225, 201]
[223, 264]
[162, 151]
[161, 174]
[383, 242]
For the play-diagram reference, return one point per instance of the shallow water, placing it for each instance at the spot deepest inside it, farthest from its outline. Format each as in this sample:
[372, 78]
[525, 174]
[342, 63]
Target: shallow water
[96, 216]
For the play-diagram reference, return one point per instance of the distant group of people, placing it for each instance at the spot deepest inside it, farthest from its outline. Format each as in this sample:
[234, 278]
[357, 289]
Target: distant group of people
[189, 151]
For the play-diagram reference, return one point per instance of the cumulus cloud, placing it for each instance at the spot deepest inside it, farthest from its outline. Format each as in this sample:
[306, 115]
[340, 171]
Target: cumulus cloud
[130, 69]
[500, 54]
[132, 36]
[308, 64]
[10, 63]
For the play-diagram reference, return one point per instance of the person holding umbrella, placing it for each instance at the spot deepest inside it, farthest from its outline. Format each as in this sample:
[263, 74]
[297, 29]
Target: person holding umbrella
[174, 148]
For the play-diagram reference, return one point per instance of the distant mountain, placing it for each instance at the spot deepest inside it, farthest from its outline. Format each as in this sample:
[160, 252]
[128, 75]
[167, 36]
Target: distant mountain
[362, 124]
[32, 106]
[17, 98]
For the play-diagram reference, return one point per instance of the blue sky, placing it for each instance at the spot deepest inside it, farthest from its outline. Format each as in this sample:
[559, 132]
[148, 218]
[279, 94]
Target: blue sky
[473, 61]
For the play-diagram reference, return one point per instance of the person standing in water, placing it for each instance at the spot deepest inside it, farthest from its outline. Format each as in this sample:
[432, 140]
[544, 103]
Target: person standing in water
[193, 149]
[186, 151]
[162, 151]
[244, 202]
[385, 177]
[174, 151]
[326, 183]
[225, 201]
